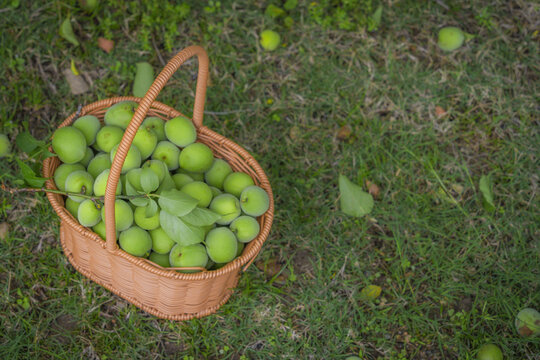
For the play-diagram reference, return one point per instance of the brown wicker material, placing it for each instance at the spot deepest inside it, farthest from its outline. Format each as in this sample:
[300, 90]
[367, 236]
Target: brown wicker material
[162, 292]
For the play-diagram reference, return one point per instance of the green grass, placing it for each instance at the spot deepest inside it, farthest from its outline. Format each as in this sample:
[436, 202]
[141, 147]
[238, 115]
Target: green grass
[453, 276]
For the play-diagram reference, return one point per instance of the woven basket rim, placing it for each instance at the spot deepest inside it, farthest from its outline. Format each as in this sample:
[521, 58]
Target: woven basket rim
[243, 260]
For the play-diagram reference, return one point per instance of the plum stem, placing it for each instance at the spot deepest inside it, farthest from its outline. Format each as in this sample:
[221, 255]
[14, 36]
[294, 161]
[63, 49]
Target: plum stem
[67, 193]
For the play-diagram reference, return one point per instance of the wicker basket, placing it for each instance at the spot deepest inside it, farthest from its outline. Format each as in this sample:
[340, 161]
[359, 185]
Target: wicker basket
[159, 291]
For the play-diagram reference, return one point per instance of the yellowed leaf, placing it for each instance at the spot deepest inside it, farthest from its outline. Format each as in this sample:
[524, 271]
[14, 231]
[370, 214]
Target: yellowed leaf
[344, 132]
[105, 44]
[371, 292]
[439, 111]
[74, 68]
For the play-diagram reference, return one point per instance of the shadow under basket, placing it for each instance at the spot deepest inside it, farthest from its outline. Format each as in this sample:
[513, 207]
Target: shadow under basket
[162, 292]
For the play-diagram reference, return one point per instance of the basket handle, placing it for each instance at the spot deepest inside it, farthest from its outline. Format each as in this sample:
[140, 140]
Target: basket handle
[138, 117]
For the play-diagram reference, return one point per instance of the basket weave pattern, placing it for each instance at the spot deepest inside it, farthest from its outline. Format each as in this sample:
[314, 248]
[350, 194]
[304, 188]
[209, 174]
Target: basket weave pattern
[162, 292]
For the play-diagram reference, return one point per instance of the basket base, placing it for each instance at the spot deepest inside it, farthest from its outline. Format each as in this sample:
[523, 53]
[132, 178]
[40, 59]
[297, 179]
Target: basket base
[72, 250]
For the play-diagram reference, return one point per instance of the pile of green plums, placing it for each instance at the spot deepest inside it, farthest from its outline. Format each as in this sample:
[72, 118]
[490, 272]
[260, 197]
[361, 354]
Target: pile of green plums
[169, 150]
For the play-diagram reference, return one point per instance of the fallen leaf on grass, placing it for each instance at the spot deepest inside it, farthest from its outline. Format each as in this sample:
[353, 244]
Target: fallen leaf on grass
[74, 68]
[373, 189]
[105, 44]
[371, 292]
[487, 194]
[76, 82]
[4, 228]
[66, 31]
[439, 111]
[344, 132]
[353, 200]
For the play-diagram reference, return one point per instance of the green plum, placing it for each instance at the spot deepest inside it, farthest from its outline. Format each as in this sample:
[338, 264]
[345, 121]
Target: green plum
[72, 206]
[161, 242]
[158, 167]
[167, 152]
[200, 191]
[236, 182]
[100, 184]
[215, 191]
[79, 182]
[180, 131]
[144, 222]
[120, 114]
[254, 201]
[188, 256]
[241, 246]
[132, 160]
[227, 206]
[145, 140]
[62, 172]
[135, 241]
[123, 215]
[160, 259]
[99, 229]
[195, 176]
[269, 40]
[88, 156]
[108, 137]
[221, 245]
[489, 352]
[5, 146]
[196, 157]
[69, 144]
[215, 176]
[245, 228]
[89, 213]
[89, 125]
[155, 124]
[181, 179]
[450, 38]
[99, 163]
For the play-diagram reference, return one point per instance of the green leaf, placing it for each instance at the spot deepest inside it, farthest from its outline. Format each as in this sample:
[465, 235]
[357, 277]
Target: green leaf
[131, 191]
[149, 180]
[166, 184]
[144, 77]
[26, 142]
[201, 217]
[273, 11]
[353, 200]
[485, 187]
[29, 175]
[66, 31]
[181, 232]
[290, 4]
[177, 202]
[151, 208]
[375, 19]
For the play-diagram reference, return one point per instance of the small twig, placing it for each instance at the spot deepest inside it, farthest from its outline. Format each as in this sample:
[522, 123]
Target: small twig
[161, 60]
[67, 193]
[442, 4]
